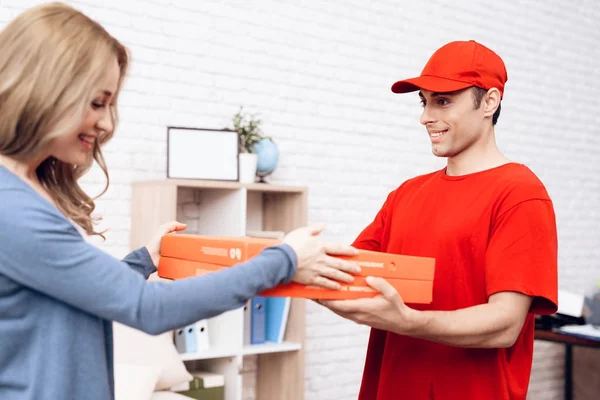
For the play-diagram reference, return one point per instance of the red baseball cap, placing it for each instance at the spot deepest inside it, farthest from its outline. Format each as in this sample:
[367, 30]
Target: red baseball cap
[458, 65]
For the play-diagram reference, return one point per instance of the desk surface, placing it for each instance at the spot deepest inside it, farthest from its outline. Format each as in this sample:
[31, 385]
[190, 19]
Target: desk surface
[558, 337]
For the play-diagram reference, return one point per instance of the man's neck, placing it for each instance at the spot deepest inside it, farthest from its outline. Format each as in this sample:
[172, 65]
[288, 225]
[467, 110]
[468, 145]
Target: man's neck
[478, 157]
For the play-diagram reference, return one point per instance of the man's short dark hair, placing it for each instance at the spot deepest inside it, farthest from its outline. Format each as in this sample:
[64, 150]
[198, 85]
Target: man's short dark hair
[478, 94]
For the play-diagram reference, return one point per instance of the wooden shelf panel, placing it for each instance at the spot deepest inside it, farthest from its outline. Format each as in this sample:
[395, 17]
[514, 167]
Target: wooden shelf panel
[232, 185]
[268, 187]
[190, 183]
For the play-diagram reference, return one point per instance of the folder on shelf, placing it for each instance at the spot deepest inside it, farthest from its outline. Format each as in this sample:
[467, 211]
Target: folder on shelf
[258, 320]
[179, 340]
[192, 338]
[201, 330]
[185, 339]
[273, 323]
[278, 309]
[247, 325]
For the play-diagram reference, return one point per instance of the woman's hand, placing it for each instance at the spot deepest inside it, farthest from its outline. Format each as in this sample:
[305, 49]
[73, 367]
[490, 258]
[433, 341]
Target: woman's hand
[153, 245]
[315, 264]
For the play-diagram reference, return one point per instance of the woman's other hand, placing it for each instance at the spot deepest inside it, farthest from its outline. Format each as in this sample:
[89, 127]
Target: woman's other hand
[316, 265]
[153, 245]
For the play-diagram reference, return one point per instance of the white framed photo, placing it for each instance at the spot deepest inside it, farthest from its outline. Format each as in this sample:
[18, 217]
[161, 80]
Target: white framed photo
[198, 153]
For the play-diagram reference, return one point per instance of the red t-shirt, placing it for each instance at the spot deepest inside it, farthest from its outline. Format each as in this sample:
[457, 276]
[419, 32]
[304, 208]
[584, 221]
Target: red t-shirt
[489, 231]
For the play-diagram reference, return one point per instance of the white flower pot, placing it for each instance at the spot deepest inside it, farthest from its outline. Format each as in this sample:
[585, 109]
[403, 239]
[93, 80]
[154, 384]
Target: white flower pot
[248, 163]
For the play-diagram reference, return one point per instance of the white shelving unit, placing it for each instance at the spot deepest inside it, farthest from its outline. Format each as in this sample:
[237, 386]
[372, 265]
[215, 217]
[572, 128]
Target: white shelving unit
[246, 351]
[231, 208]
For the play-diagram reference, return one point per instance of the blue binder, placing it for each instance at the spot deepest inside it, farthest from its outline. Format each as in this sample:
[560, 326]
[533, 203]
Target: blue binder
[190, 338]
[258, 320]
[278, 309]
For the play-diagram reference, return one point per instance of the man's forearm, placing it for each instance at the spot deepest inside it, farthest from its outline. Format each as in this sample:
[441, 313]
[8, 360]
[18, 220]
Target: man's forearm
[485, 326]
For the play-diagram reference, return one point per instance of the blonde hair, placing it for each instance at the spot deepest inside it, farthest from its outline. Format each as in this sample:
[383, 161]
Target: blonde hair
[52, 60]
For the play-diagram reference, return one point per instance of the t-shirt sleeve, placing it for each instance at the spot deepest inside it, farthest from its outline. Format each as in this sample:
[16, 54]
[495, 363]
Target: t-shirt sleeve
[371, 237]
[522, 255]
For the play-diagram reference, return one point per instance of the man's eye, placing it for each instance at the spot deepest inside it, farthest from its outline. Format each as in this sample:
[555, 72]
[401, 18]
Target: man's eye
[443, 102]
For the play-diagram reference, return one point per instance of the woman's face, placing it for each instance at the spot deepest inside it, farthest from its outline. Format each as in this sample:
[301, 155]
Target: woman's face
[76, 148]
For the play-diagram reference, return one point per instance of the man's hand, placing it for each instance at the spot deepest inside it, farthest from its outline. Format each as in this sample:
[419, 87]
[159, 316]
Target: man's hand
[495, 324]
[153, 245]
[387, 311]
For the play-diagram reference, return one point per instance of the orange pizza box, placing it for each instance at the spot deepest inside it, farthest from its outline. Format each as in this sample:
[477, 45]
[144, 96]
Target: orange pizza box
[398, 266]
[174, 268]
[411, 291]
[228, 251]
[221, 250]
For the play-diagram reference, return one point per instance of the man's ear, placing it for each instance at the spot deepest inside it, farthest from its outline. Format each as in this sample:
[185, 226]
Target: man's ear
[491, 101]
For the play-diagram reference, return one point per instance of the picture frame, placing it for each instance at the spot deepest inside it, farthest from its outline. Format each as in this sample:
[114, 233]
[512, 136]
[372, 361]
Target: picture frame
[202, 153]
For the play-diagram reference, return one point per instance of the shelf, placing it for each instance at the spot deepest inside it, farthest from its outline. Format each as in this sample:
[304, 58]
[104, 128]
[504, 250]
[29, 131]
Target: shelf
[270, 348]
[231, 208]
[225, 185]
[246, 351]
[209, 354]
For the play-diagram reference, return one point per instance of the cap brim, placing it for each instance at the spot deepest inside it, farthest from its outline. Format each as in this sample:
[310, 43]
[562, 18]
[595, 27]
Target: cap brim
[431, 83]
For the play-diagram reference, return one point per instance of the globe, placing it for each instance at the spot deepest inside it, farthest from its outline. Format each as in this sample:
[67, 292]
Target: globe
[268, 157]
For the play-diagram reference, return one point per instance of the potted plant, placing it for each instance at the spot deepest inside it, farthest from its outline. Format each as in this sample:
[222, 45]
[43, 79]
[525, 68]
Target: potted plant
[249, 132]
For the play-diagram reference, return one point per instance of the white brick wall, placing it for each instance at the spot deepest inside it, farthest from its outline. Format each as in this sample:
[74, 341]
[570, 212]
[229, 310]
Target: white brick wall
[319, 73]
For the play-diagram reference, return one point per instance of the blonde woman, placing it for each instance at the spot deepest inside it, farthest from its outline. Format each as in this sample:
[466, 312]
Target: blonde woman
[60, 78]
